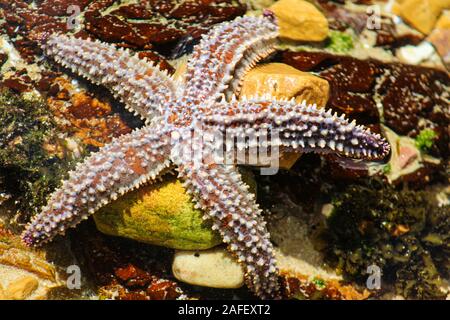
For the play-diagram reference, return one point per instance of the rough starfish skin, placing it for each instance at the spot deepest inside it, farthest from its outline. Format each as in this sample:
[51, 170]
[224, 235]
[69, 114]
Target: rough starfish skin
[175, 113]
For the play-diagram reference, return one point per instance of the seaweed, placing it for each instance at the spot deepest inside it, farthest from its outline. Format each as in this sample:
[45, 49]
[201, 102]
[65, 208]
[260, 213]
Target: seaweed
[32, 157]
[425, 139]
[404, 233]
[339, 42]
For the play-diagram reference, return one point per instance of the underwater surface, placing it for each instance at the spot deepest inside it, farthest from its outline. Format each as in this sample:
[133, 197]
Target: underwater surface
[103, 104]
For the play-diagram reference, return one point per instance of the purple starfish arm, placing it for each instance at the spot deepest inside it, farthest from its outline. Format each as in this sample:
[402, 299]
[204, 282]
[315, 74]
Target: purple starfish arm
[226, 54]
[225, 200]
[140, 85]
[122, 165]
[301, 127]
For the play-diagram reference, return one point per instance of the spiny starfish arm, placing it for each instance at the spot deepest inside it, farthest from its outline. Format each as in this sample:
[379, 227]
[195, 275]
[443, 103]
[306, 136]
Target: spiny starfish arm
[140, 85]
[122, 165]
[225, 54]
[225, 199]
[301, 127]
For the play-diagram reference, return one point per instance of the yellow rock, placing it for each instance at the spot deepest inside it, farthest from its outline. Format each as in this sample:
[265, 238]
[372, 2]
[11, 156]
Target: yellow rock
[2, 293]
[283, 81]
[421, 14]
[22, 288]
[444, 21]
[25, 273]
[300, 20]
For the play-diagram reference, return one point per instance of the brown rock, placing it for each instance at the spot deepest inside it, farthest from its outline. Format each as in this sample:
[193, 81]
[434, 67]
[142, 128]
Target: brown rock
[300, 20]
[22, 288]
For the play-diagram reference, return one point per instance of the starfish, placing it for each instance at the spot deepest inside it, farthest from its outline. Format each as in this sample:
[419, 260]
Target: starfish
[175, 112]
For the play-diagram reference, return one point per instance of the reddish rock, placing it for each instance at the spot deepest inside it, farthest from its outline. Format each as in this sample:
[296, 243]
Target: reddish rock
[154, 57]
[352, 82]
[171, 23]
[133, 276]
[188, 9]
[15, 84]
[134, 11]
[42, 32]
[59, 7]
[162, 6]
[157, 33]
[133, 270]
[110, 28]
[163, 290]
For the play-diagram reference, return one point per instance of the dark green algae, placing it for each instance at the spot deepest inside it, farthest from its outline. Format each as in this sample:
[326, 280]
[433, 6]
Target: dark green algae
[28, 171]
[405, 233]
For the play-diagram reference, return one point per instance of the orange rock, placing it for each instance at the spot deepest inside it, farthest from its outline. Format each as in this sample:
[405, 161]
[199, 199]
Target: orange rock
[421, 14]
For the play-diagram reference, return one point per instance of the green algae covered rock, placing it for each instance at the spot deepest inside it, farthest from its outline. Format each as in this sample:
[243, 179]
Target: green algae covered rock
[160, 214]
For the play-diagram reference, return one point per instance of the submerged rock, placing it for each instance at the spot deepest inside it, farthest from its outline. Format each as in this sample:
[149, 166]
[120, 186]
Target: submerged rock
[283, 81]
[300, 20]
[440, 37]
[122, 269]
[21, 288]
[160, 214]
[214, 268]
[421, 14]
[404, 233]
[24, 273]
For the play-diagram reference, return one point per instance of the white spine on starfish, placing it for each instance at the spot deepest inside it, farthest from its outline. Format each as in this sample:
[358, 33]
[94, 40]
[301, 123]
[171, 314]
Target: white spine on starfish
[218, 190]
[142, 86]
[225, 54]
[301, 127]
[123, 165]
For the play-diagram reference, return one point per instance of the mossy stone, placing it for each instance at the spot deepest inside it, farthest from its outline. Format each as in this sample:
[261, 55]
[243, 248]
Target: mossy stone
[160, 214]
